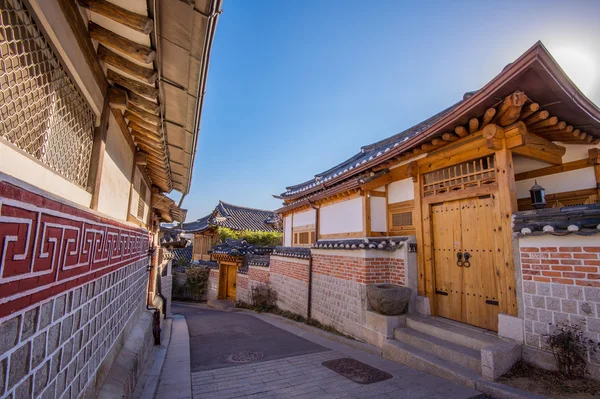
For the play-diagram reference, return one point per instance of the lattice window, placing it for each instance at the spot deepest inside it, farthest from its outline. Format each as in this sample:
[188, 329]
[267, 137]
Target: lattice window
[41, 110]
[142, 201]
[400, 217]
[458, 177]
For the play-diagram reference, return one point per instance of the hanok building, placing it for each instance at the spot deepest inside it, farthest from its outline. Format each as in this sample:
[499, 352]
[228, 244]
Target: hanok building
[452, 185]
[100, 105]
[234, 217]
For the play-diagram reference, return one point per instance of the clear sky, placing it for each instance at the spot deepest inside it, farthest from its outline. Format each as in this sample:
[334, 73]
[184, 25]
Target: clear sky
[295, 87]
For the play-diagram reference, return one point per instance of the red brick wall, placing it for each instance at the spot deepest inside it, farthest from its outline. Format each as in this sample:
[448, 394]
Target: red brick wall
[296, 270]
[361, 270]
[562, 265]
[242, 281]
[258, 275]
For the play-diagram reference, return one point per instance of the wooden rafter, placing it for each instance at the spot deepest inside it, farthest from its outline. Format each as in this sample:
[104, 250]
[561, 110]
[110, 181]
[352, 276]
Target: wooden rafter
[118, 14]
[123, 64]
[123, 45]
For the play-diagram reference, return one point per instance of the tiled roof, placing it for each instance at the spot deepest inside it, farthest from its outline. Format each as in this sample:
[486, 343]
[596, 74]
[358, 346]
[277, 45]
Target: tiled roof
[259, 260]
[182, 254]
[582, 220]
[384, 244]
[173, 238]
[292, 252]
[239, 248]
[237, 218]
[367, 154]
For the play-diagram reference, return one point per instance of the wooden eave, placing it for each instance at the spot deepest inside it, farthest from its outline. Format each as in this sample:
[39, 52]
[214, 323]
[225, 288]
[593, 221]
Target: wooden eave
[167, 209]
[154, 55]
[536, 73]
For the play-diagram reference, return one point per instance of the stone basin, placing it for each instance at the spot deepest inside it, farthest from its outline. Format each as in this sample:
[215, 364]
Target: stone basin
[388, 299]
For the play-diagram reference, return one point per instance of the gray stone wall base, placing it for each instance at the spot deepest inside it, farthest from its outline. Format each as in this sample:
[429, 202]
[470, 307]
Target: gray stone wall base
[122, 367]
[510, 327]
[498, 359]
[380, 327]
[292, 294]
[545, 360]
[422, 306]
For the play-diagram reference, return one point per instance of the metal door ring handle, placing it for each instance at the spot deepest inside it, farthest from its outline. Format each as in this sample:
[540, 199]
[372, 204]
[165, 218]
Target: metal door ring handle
[467, 263]
[459, 263]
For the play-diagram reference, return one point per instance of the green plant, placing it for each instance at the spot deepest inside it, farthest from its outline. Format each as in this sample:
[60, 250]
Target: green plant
[570, 347]
[264, 298]
[260, 238]
[196, 280]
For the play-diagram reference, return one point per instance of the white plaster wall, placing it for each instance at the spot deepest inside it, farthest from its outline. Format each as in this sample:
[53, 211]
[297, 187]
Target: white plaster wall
[304, 218]
[576, 152]
[548, 240]
[287, 233]
[525, 164]
[21, 166]
[402, 190]
[560, 182]
[378, 214]
[113, 198]
[342, 217]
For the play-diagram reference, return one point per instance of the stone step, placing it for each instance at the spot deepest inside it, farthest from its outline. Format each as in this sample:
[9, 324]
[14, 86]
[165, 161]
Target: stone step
[461, 355]
[419, 359]
[467, 336]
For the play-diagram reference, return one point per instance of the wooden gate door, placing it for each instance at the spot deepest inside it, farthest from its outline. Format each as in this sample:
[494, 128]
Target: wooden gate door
[466, 287]
[231, 282]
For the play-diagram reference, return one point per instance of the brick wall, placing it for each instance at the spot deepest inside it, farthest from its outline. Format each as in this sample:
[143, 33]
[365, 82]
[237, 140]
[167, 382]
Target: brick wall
[57, 346]
[561, 284]
[71, 282]
[242, 291]
[258, 274]
[289, 278]
[213, 284]
[362, 270]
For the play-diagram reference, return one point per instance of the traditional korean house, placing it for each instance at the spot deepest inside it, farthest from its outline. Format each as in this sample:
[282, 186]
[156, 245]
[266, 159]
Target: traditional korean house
[234, 217]
[454, 190]
[100, 106]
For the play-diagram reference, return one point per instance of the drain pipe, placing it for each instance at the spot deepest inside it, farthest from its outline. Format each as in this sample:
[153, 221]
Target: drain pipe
[310, 263]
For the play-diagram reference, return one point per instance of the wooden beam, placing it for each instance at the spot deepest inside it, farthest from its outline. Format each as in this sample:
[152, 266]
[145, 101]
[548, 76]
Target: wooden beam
[141, 158]
[366, 200]
[450, 137]
[550, 170]
[400, 173]
[97, 160]
[142, 103]
[553, 120]
[117, 98]
[461, 131]
[538, 153]
[77, 25]
[140, 23]
[529, 109]
[473, 125]
[515, 103]
[594, 156]
[536, 117]
[123, 45]
[123, 127]
[123, 64]
[146, 116]
[139, 122]
[488, 116]
[133, 85]
[556, 127]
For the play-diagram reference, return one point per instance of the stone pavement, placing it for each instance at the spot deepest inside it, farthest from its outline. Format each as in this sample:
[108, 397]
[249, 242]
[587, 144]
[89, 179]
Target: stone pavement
[294, 369]
[175, 377]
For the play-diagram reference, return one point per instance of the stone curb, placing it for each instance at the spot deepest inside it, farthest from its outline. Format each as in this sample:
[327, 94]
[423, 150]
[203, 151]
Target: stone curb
[153, 369]
[175, 377]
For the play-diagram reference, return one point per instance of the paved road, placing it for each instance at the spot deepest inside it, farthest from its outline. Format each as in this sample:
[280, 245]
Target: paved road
[291, 366]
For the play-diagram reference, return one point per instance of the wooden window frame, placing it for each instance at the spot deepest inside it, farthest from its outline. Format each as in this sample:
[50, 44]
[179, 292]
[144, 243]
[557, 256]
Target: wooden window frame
[296, 231]
[401, 207]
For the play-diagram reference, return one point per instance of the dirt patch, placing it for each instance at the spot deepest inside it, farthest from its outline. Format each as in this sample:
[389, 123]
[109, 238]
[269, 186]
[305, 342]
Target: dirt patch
[549, 383]
[357, 371]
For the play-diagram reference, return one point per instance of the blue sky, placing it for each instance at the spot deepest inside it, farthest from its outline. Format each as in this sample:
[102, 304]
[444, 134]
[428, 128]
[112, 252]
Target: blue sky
[295, 87]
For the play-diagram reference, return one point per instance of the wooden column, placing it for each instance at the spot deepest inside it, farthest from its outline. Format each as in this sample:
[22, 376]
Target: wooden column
[366, 204]
[505, 206]
[98, 149]
[594, 156]
[419, 229]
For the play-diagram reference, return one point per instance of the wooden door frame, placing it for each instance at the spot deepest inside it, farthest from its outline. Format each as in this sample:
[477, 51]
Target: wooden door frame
[504, 194]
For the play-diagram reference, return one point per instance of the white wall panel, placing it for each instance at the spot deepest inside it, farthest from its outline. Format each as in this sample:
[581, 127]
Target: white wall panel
[560, 182]
[402, 190]
[287, 234]
[342, 217]
[378, 214]
[304, 218]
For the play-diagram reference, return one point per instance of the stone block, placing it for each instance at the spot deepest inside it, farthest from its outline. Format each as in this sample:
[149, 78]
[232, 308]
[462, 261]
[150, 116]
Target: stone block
[498, 359]
[553, 304]
[545, 316]
[593, 325]
[59, 307]
[569, 306]
[30, 319]
[53, 337]
[67, 354]
[531, 314]
[544, 289]
[24, 389]
[529, 287]
[66, 328]
[55, 364]
[422, 306]
[559, 290]
[540, 328]
[538, 302]
[587, 309]
[76, 297]
[575, 292]
[9, 334]
[49, 392]
[532, 339]
[384, 325]
[41, 378]
[560, 317]
[2, 374]
[45, 315]
[38, 350]
[510, 327]
[592, 294]
[19, 364]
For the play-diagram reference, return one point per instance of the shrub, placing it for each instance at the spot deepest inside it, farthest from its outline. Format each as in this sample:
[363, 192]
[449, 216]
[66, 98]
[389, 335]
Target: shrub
[264, 297]
[260, 238]
[570, 347]
[196, 280]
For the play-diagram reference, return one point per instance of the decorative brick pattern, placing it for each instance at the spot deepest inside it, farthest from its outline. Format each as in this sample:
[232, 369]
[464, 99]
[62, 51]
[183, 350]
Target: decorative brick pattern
[56, 347]
[561, 284]
[48, 247]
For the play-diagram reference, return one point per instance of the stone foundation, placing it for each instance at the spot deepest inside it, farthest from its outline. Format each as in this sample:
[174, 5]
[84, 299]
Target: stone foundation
[242, 290]
[213, 284]
[289, 278]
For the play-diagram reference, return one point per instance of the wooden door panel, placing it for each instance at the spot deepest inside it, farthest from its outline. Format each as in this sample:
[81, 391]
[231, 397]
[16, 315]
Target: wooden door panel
[448, 278]
[231, 282]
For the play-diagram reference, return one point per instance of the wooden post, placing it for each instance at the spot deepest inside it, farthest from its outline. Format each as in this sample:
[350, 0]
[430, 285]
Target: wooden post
[98, 148]
[594, 155]
[421, 286]
[367, 213]
[505, 207]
